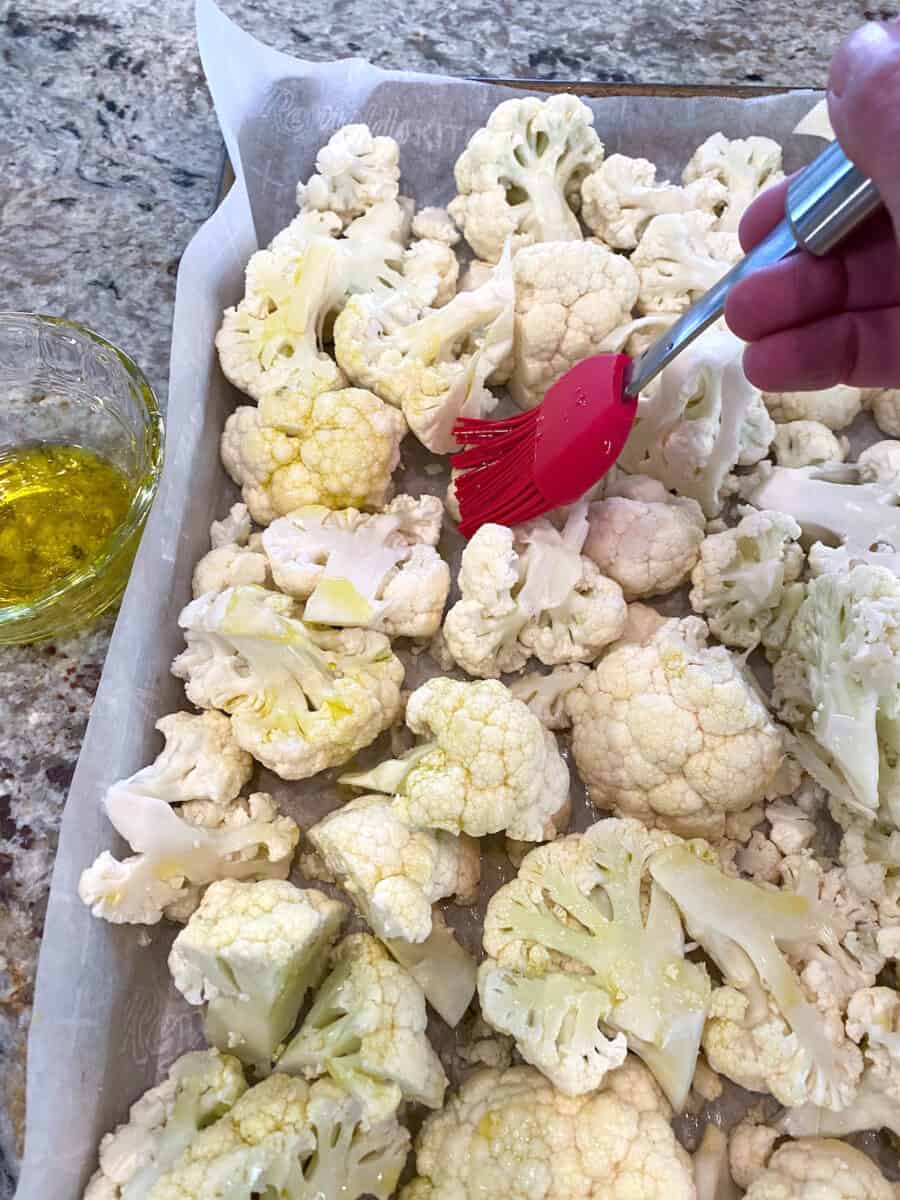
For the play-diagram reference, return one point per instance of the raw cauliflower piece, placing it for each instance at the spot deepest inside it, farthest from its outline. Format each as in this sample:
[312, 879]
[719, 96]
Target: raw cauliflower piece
[512, 1135]
[488, 765]
[200, 1087]
[366, 1029]
[582, 942]
[885, 406]
[519, 179]
[747, 581]
[251, 952]
[393, 873]
[434, 363]
[442, 968]
[301, 699]
[354, 171]
[359, 569]
[287, 1139]
[435, 225]
[673, 732]
[430, 273]
[820, 1169]
[750, 1146]
[744, 166]
[546, 694]
[234, 557]
[807, 444]
[679, 257]
[339, 451]
[712, 1175]
[569, 296]
[643, 537]
[235, 529]
[704, 419]
[530, 591]
[622, 195]
[835, 407]
[175, 858]
[816, 123]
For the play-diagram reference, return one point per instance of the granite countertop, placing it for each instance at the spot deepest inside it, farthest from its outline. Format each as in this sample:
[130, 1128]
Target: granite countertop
[110, 159]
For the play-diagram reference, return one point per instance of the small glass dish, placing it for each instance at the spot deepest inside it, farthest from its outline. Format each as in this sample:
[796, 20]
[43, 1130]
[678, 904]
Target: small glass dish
[60, 383]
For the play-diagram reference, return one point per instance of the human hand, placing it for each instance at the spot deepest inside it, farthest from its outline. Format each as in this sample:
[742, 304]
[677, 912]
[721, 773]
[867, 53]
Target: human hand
[815, 322]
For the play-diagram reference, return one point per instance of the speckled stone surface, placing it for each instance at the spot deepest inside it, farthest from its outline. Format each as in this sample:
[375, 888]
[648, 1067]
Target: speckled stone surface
[109, 160]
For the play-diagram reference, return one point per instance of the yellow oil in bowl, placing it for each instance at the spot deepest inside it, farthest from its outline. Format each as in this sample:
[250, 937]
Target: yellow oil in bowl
[58, 505]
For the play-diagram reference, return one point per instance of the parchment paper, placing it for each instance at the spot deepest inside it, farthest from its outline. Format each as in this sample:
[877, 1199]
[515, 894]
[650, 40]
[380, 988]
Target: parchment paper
[106, 1021]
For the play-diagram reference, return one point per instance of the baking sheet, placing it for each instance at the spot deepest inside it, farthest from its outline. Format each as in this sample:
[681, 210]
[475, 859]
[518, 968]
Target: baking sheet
[106, 1021]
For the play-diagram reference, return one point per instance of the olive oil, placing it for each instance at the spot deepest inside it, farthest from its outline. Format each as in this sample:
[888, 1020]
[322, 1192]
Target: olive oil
[58, 505]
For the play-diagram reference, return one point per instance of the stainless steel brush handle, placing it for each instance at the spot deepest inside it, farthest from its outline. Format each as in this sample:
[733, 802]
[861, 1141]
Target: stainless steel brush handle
[825, 202]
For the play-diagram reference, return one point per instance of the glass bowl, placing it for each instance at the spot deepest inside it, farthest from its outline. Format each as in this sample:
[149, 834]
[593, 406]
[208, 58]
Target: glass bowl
[62, 383]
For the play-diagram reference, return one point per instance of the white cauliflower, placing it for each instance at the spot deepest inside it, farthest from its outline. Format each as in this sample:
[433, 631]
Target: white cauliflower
[820, 1169]
[880, 463]
[546, 694]
[885, 406]
[520, 176]
[816, 123]
[530, 591]
[581, 943]
[233, 530]
[251, 952]
[355, 170]
[430, 274]
[643, 537]
[366, 1029]
[704, 419]
[288, 1139]
[512, 1135]
[340, 450]
[393, 873]
[199, 1088]
[747, 581]
[488, 765]
[679, 257]
[355, 568]
[569, 296]
[175, 858]
[442, 968]
[750, 1146]
[301, 699]
[744, 166]
[712, 1174]
[435, 225]
[672, 731]
[622, 195]
[807, 444]
[835, 407]
[234, 557]
[434, 363]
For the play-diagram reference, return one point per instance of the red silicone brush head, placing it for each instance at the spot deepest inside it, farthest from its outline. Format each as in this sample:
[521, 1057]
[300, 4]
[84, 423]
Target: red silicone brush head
[515, 470]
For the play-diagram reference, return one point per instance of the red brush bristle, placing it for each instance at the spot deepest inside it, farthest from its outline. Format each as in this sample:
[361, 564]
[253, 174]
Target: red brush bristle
[496, 481]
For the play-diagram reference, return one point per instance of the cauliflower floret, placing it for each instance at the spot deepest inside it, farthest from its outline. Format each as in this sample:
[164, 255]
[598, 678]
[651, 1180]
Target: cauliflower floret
[546, 695]
[747, 582]
[750, 1147]
[816, 123]
[441, 967]
[679, 257]
[489, 765]
[880, 463]
[520, 177]
[175, 857]
[704, 419]
[393, 873]
[288, 1139]
[354, 171]
[199, 1088]
[251, 952]
[233, 530]
[569, 296]
[435, 225]
[530, 591]
[712, 1175]
[512, 1135]
[340, 451]
[301, 699]
[434, 364]
[366, 1029]
[622, 195]
[835, 407]
[820, 1168]
[357, 569]
[643, 537]
[568, 941]
[430, 272]
[744, 166]
[807, 444]
[673, 732]
[229, 566]
[885, 406]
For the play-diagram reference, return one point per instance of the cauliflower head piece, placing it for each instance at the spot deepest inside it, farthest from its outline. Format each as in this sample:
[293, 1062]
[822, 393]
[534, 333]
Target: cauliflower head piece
[487, 765]
[672, 731]
[339, 451]
[679, 257]
[354, 171]
[251, 952]
[582, 942]
[394, 874]
[546, 694]
[519, 179]
[366, 1029]
[742, 166]
[569, 297]
[512, 1135]
[301, 699]
[813, 1167]
[835, 407]
[807, 444]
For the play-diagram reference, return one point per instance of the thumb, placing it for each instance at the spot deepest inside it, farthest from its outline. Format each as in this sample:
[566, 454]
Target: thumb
[864, 105]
